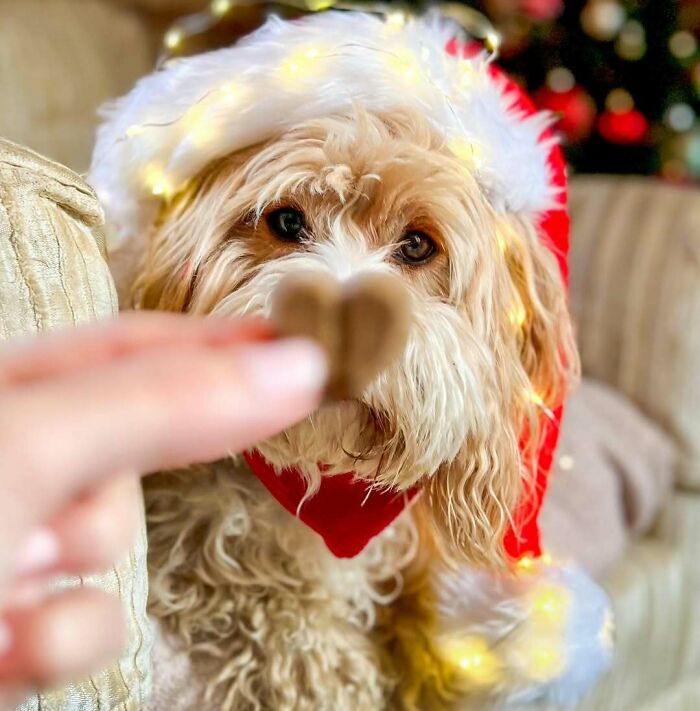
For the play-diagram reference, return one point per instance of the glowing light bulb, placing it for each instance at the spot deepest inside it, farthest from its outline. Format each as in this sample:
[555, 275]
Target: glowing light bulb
[221, 7]
[538, 400]
[471, 153]
[299, 64]
[406, 66]
[502, 242]
[566, 462]
[173, 38]
[526, 563]
[395, 20]
[160, 188]
[467, 73]
[550, 602]
[517, 315]
[134, 130]
[475, 659]
[319, 5]
[546, 559]
[230, 90]
[197, 123]
[158, 183]
[492, 42]
[534, 397]
[545, 661]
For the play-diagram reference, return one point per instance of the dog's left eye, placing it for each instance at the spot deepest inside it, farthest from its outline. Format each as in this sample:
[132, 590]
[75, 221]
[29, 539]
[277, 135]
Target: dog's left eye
[287, 224]
[416, 248]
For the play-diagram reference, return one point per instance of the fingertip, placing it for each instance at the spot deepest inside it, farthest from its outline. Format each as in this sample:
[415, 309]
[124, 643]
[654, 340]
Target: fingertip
[285, 368]
[67, 636]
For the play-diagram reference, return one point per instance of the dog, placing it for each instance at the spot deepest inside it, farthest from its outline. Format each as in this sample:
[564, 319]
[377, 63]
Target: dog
[272, 618]
[244, 582]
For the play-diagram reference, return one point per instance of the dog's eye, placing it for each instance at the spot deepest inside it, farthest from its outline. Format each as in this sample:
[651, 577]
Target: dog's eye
[287, 223]
[416, 248]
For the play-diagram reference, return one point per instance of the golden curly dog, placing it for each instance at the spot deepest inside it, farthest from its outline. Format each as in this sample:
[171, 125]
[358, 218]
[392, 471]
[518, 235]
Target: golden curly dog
[273, 618]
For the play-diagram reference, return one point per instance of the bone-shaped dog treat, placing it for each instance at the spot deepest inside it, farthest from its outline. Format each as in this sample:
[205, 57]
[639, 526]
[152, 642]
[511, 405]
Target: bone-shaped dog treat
[362, 325]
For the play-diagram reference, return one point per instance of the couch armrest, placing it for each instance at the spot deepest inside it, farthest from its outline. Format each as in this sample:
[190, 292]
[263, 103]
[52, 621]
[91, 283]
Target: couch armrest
[635, 280]
[53, 275]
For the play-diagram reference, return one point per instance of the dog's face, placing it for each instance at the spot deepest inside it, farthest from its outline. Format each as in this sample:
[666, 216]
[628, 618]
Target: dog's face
[489, 339]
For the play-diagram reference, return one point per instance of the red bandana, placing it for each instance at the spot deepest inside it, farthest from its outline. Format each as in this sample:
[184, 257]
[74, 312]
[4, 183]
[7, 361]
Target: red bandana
[345, 512]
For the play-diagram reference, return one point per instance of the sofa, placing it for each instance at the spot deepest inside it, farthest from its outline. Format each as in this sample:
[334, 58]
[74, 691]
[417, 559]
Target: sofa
[635, 297]
[635, 280]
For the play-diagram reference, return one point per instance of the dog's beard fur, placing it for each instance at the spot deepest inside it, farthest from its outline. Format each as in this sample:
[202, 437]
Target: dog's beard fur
[455, 411]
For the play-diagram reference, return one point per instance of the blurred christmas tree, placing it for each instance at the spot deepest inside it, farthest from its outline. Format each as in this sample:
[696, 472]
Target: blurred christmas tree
[622, 75]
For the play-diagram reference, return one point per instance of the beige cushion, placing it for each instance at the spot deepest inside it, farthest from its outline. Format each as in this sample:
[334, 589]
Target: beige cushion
[53, 275]
[635, 281]
[612, 475]
[59, 61]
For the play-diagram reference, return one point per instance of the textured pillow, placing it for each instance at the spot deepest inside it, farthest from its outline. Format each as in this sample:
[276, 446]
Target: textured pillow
[53, 274]
[613, 472]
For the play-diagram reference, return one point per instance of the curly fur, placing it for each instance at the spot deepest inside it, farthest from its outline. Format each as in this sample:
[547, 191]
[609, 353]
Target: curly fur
[245, 585]
[280, 622]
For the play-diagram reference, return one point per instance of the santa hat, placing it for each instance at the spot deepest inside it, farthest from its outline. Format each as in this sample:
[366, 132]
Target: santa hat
[194, 110]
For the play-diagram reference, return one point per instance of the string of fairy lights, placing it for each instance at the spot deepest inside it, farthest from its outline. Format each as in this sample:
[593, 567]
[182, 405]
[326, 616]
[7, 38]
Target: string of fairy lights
[298, 67]
[535, 650]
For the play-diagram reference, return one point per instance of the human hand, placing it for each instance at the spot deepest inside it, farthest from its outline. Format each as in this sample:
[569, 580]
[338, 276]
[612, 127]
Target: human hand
[81, 413]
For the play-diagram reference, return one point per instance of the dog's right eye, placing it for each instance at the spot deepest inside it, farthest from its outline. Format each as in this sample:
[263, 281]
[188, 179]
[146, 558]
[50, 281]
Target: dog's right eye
[287, 224]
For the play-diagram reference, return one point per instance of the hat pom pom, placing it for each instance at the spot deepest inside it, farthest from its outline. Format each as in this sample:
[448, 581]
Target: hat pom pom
[544, 633]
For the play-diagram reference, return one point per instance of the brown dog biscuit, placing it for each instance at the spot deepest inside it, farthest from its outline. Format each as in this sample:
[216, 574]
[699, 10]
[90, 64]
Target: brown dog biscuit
[374, 328]
[306, 304]
[362, 325]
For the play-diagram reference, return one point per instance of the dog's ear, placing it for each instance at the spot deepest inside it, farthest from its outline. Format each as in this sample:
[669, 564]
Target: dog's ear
[472, 499]
[538, 318]
[165, 275]
[187, 238]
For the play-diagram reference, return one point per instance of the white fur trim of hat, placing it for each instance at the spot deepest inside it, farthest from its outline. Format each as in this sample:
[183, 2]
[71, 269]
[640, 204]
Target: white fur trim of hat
[200, 108]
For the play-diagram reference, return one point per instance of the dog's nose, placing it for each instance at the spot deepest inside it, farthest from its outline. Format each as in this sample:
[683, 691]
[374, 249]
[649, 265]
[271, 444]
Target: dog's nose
[362, 324]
